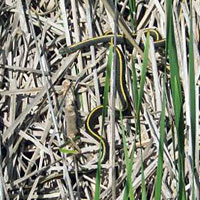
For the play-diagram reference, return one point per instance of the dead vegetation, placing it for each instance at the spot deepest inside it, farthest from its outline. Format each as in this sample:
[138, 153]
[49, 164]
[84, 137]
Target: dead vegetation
[33, 110]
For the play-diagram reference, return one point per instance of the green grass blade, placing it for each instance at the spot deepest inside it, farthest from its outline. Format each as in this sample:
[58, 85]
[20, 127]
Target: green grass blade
[139, 103]
[159, 172]
[141, 92]
[129, 187]
[132, 5]
[105, 103]
[192, 87]
[135, 100]
[192, 94]
[127, 192]
[98, 181]
[68, 151]
[107, 84]
[177, 98]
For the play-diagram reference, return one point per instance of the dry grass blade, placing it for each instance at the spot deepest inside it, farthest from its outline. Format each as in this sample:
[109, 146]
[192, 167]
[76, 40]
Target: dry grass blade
[36, 100]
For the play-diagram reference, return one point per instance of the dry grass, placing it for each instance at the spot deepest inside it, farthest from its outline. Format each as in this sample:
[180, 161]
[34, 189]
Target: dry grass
[33, 110]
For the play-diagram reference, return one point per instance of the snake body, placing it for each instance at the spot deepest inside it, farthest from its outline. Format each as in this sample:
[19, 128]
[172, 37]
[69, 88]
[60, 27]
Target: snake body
[92, 118]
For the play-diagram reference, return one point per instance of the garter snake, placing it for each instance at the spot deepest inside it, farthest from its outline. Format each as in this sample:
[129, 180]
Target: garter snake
[96, 112]
[121, 39]
[92, 118]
